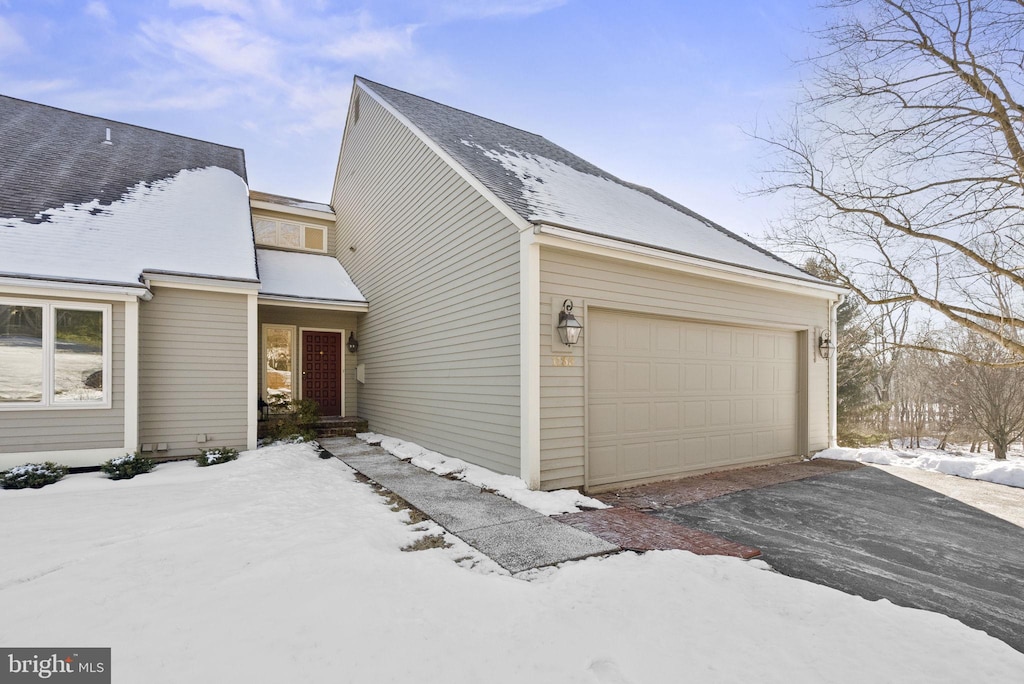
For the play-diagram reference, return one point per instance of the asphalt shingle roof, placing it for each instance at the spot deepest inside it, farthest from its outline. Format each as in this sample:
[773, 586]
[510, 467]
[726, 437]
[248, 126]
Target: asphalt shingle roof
[50, 157]
[490, 151]
[75, 207]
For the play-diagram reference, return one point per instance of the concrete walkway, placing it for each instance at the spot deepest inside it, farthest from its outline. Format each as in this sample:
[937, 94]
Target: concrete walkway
[515, 537]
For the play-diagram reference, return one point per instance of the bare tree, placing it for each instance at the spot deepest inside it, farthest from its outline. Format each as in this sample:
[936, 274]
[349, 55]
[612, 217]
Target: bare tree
[992, 398]
[906, 157]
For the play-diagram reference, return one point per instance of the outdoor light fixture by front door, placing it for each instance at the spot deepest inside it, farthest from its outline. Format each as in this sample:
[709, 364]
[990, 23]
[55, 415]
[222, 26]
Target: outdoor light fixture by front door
[825, 344]
[568, 327]
[353, 343]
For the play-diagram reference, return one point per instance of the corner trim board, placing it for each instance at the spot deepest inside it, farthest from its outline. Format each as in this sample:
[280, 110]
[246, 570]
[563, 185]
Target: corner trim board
[529, 359]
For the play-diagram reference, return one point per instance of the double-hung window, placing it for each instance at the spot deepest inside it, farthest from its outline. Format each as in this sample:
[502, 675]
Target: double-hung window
[54, 354]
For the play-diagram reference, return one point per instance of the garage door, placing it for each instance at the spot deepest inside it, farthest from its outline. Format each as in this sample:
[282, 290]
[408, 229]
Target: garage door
[668, 396]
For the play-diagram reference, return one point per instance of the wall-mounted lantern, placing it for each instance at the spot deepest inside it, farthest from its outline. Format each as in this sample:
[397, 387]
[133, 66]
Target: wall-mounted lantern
[353, 343]
[825, 345]
[568, 327]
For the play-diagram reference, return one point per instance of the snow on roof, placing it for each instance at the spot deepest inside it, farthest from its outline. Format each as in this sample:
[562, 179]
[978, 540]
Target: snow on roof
[53, 157]
[90, 199]
[195, 222]
[289, 201]
[305, 276]
[543, 182]
[559, 194]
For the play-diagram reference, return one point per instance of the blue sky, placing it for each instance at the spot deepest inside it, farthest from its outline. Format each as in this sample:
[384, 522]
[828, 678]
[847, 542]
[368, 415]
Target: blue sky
[658, 93]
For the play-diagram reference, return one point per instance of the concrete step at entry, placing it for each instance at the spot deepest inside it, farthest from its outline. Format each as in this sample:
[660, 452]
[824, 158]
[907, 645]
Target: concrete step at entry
[341, 426]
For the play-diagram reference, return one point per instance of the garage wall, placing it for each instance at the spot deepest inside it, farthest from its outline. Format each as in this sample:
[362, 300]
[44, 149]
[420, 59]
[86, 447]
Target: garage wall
[592, 281]
[440, 267]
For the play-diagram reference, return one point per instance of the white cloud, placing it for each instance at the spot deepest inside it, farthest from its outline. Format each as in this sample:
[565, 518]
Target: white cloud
[221, 42]
[240, 8]
[482, 9]
[366, 43]
[98, 10]
[10, 40]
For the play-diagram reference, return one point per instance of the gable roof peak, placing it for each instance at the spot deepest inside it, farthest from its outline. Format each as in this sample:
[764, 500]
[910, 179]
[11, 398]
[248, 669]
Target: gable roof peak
[543, 183]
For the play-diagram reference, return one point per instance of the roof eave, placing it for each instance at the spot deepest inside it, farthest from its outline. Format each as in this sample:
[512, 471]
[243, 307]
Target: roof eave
[24, 281]
[569, 237]
[294, 211]
[314, 302]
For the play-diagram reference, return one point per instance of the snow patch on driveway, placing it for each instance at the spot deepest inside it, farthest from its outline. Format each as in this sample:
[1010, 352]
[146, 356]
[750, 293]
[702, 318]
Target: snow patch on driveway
[1009, 472]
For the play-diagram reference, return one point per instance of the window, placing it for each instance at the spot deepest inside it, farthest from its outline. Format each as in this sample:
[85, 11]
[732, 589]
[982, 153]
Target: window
[290, 235]
[54, 354]
[278, 363]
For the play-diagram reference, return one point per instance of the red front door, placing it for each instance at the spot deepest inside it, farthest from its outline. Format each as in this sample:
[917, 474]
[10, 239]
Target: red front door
[321, 370]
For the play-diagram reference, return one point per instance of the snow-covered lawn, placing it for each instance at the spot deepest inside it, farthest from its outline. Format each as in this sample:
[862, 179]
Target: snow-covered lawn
[281, 567]
[976, 467]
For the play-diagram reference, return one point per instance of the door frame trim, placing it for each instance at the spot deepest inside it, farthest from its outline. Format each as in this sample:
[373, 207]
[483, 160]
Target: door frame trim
[341, 370]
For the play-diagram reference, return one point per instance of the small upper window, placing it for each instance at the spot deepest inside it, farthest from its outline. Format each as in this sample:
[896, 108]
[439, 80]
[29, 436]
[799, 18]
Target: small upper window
[290, 235]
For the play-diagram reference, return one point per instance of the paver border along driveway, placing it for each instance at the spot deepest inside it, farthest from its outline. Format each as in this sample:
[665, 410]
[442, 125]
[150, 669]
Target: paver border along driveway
[869, 533]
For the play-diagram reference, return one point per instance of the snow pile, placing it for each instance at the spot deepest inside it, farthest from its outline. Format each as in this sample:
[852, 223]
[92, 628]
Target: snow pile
[1009, 472]
[508, 486]
[195, 222]
[280, 567]
[557, 193]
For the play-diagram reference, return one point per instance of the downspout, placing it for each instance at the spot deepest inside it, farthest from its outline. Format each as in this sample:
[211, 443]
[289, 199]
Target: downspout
[833, 390]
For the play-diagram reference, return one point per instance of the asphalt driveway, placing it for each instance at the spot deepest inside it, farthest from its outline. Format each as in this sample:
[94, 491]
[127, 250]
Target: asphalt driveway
[869, 533]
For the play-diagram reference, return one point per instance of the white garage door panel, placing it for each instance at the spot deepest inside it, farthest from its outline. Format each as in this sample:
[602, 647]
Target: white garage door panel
[670, 396]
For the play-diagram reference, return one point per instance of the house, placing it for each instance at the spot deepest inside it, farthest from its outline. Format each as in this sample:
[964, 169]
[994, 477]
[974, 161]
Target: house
[132, 292]
[470, 238]
[148, 299]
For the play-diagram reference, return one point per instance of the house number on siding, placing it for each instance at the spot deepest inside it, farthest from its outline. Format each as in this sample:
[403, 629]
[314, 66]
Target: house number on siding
[563, 360]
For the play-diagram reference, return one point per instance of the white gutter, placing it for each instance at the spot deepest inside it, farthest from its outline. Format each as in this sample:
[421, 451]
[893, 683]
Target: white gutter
[199, 282]
[313, 303]
[833, 377]
[295, 211]
[46, 287]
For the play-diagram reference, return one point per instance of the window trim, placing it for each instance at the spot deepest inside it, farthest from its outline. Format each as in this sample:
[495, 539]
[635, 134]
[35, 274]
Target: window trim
[293, 334]
[302, 234]
[49, 325]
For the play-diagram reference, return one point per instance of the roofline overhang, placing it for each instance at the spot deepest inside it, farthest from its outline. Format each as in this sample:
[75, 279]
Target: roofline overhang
[294, 211]
[194, 281]
[271, 299]
[43, 284]
[566, 237]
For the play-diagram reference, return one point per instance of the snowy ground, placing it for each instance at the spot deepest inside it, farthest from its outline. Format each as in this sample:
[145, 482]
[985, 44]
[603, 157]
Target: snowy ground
[281, 567]
[976, 467]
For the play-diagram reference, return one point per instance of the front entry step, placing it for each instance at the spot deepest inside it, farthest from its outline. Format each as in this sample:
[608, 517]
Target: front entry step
[337, 426]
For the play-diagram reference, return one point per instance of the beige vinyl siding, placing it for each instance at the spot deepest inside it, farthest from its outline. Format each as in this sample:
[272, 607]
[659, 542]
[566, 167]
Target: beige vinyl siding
[440, 268]
[56, 429]
[628, 287]
[193, 370]
[323, 320]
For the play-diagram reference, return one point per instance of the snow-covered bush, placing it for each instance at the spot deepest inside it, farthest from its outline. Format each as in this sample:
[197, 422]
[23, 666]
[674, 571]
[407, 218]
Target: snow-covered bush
[128, 466]
[34, 475]
[209, 457]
